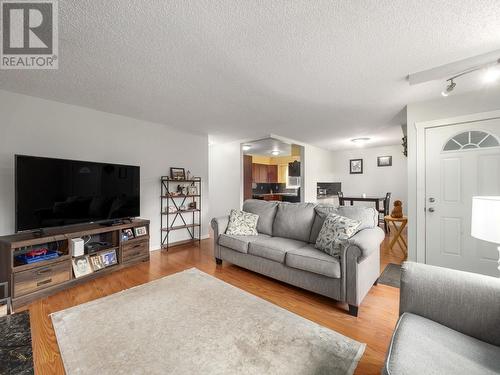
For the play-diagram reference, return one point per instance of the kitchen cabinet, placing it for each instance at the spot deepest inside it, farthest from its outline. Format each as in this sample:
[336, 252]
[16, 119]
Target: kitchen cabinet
[262, 173]
[272, 173]
[247, 176]
[275, 197]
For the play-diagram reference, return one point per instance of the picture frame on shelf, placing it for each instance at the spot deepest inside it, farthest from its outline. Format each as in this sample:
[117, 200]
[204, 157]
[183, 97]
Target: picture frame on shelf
[81, 266]
[140, 231]
[177, 173]
[97, 262]
[5, 301]
[356, 166]
[128, 234]
[108, 257]
[384, 161]
[192, 190]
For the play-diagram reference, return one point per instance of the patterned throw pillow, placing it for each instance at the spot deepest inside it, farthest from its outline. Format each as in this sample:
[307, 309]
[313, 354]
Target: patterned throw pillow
[335, 232]
[242, 223]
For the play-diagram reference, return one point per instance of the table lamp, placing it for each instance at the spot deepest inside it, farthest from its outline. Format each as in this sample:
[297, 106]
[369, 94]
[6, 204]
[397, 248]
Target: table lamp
[486, 220]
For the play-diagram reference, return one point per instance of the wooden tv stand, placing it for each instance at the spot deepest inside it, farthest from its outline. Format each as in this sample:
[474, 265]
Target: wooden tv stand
[28, 282]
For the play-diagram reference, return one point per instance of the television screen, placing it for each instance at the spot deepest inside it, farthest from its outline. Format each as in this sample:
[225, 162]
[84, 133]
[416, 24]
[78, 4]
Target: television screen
[56, 192]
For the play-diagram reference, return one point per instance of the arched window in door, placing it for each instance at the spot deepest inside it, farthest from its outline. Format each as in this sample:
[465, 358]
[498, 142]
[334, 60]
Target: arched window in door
[470, 140]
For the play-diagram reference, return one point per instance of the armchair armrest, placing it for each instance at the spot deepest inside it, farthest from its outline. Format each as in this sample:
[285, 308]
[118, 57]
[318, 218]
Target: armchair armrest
[463, 301]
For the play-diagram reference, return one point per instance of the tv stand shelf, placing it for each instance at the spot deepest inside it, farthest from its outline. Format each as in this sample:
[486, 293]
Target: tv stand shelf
[28, 282]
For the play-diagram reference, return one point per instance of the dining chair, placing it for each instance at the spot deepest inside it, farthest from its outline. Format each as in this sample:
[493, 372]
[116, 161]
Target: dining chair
[384, 211]
[341, 198]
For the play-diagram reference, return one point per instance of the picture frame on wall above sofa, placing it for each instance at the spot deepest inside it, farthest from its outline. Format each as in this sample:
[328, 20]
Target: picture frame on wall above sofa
[356, 166]
[384, 161]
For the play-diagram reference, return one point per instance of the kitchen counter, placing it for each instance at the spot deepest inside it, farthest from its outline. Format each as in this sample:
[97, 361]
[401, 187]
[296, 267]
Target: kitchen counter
[326, 196]
[269, 194]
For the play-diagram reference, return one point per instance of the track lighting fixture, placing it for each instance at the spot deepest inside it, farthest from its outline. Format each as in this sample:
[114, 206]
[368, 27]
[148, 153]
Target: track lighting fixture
[449, 87]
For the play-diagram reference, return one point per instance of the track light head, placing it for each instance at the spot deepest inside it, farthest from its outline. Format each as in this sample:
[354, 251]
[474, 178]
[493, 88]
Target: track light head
[449, 87]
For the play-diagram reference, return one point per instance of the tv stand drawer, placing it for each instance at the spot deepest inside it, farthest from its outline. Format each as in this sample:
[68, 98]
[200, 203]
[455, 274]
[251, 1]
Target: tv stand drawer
[133, 251]
[40, 278]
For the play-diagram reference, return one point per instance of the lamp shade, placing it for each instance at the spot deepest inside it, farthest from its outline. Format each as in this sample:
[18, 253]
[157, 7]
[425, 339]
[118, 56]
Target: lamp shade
[486, 218]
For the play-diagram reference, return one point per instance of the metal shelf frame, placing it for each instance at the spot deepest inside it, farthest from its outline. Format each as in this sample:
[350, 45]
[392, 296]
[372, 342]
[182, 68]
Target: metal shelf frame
[169, 197]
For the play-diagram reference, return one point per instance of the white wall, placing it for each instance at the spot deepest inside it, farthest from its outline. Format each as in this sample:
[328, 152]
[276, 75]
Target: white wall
[442, 108]
[318, 167]
[374, 180]
[225, 178]
[39, 127]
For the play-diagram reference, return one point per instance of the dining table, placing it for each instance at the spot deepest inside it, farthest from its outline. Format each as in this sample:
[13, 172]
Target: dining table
[361, 198]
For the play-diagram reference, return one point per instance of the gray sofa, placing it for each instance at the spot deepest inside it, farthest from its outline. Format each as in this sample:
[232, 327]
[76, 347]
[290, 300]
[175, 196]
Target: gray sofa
[449, 323]
[284, 249]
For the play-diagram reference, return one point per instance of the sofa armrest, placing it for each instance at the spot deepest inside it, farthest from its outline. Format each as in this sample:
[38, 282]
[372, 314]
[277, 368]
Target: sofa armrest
[219, 225]
[364, 243]
[463, 301]
[360, 261]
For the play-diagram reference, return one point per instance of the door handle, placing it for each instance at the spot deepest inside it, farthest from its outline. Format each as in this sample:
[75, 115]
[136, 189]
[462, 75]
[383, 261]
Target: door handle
[432, 200]
[431, 209]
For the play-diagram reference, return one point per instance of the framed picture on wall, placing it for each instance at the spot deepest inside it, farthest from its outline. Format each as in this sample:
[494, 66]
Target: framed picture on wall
[356, 166]
[384, 161]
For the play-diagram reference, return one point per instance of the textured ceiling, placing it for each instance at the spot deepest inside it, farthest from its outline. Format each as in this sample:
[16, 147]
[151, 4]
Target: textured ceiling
[317, 71]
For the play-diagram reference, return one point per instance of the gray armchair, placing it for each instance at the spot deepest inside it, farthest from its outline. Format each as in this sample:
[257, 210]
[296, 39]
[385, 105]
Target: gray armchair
[449, 323]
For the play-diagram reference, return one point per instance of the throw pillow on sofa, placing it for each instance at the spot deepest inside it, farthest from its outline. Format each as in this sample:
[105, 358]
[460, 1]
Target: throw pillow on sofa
[336, 230]
[242, 223]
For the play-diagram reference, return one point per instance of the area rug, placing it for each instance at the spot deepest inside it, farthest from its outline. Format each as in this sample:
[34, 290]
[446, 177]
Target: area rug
[193, 323]
[16, 356]
[391, 275]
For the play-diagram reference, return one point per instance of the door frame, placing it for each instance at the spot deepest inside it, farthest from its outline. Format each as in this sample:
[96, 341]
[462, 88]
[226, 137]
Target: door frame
[420, 128]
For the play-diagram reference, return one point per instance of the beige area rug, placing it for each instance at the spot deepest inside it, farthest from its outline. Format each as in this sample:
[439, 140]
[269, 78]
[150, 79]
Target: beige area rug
[193, 323]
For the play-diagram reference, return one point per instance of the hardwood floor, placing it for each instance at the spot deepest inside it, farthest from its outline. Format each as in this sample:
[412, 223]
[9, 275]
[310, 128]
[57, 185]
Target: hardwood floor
[377, 315]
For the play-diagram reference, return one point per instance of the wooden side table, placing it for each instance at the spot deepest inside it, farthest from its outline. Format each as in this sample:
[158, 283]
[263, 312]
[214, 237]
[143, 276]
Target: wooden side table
[399, 223]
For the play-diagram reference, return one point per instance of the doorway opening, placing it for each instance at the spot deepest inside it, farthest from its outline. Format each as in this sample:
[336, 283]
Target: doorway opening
[272, 170]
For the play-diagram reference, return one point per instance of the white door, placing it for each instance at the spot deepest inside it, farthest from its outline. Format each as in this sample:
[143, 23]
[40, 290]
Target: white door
[462, 160]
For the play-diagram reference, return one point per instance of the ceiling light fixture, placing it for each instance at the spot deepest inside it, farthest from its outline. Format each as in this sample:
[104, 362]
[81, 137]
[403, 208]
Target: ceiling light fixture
[275, 152]
[449, 88]
[360, 140]
[246, 147]
[491, 75]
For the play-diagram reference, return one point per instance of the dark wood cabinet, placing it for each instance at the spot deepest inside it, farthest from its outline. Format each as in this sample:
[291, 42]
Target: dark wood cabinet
[263, 173]
[272, 173]
[31, 281]
[248, 173]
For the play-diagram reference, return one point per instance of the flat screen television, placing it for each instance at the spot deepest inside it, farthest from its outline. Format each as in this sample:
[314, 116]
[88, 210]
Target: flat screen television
[58, 192]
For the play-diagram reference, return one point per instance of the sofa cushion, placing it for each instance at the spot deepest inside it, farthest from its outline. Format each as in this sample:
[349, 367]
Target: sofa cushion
[322, 211]
[238, 243]
[308, 258]
[273, 248]
[294, 220]
[368, 216]
[335, 232]
[266, 212]
[242, 223]
[422, 346]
